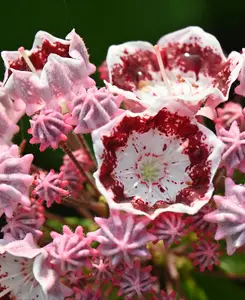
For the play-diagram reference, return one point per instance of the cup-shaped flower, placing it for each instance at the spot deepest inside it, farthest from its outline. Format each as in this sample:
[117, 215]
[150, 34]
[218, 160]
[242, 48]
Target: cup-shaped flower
[56, 85]
[43, 46]
[26, 273]
[230, 216]
[157, 161]
[188, 64]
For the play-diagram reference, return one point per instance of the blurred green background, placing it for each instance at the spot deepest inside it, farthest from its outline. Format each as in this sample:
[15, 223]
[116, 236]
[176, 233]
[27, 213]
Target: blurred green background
[102, 23]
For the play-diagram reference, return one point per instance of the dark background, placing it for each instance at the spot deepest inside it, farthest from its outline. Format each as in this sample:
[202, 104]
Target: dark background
[105, 22]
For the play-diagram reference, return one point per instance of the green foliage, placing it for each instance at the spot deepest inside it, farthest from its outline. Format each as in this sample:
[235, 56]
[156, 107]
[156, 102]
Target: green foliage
[217, 288]
[234, 264]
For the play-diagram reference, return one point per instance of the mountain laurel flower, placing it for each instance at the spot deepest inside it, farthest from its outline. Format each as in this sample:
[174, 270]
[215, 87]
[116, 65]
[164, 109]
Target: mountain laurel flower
[205, 254]
[233, 156]
[230, 216]
[24, 220]
[122, 237]
[69, 250]
[149, 194]
[92, 109]
[102, 270]
[188, 65]
[240, 89]
[50, 74]
[50, 187]
[43, 46]
[48, 129]
[15, 180]
[136, 281]
[168, 227]
[156, 161]
[26, 273]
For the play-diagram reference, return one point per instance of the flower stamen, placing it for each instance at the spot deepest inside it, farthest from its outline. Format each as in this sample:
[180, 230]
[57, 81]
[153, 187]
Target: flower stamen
[162, 69]
[27, 60]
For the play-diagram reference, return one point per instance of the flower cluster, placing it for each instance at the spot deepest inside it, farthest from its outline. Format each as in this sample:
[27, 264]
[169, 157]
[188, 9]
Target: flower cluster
[146, 193]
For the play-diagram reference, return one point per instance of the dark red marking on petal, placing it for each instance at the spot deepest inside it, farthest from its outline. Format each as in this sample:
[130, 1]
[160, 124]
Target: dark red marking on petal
[40, 55]
[191, 57]
[134, 69]
[170, 125]
[222, 79]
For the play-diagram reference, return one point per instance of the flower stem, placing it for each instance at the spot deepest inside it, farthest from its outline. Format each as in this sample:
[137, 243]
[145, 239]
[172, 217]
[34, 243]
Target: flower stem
[68, 151]
[85, 146]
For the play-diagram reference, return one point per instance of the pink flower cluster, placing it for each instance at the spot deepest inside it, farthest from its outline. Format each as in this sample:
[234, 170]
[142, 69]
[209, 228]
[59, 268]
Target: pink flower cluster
[148, 189]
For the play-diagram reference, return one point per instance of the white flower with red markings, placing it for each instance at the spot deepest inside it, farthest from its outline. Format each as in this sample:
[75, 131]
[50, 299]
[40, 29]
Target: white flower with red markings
[157, 161]
[26, 273]
[188, 65]
[50, 74]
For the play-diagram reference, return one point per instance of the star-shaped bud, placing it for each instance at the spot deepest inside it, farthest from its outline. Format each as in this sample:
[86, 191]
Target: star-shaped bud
[234, 152]
[205, 254]
[49, 129]
[92, 109]
[230, 216]
[122, 237]
[24, 220]
[160, 160]
[169, 227]
[102, 270]
[50, 187]
[141, 279]
[69, 250]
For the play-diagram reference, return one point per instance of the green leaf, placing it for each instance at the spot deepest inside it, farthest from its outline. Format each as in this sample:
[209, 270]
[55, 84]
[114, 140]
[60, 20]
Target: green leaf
[234, 264]
[218, 288]
[192, 290]
[54, 224]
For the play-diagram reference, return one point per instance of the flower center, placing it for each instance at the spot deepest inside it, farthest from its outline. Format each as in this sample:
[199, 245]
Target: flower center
[150, 170]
